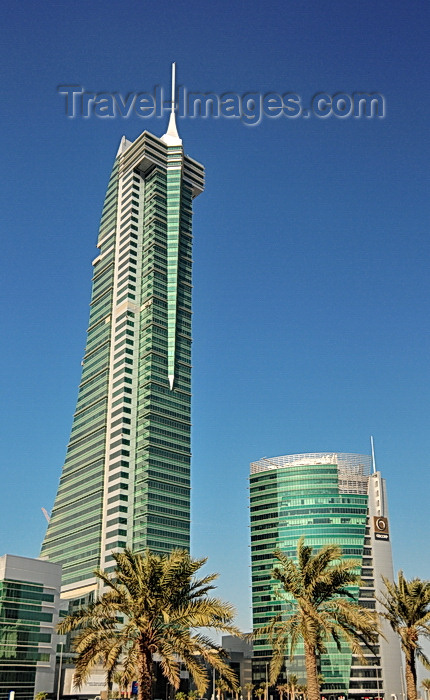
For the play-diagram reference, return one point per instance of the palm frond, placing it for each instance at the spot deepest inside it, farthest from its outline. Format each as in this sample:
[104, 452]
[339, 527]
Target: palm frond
[151, 604]
[319, 591]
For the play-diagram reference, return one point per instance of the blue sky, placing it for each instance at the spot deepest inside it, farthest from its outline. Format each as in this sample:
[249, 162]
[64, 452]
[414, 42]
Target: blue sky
[311, 293]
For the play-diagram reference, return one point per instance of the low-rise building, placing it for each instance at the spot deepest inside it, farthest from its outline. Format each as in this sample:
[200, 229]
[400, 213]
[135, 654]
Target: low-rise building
[29, 609]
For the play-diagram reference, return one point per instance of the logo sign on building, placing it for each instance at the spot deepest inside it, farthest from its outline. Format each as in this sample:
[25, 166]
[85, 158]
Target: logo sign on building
[380, 528]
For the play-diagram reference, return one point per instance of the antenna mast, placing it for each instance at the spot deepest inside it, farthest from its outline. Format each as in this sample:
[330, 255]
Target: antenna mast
[173, 85]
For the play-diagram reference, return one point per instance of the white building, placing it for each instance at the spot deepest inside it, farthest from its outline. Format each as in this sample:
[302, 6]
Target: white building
[29, 604]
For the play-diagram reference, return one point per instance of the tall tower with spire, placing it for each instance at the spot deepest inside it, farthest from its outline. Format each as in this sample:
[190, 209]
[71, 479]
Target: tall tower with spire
[126, 476]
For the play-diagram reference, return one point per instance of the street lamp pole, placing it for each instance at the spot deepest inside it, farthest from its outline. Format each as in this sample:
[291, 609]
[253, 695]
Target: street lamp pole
[402, 681]
[59, 670]
[213, 683]
[266, 690]
[377, 680]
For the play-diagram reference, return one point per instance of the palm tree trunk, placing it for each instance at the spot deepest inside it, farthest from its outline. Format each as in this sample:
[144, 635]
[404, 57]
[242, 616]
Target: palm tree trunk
[145, 674]
[411, 676]
[312, 673]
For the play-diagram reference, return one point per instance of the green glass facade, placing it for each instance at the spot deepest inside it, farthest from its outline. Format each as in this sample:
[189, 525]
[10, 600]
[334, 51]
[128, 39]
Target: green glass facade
[21, 617]
[28, 616]
[323, 497]
[126, 476]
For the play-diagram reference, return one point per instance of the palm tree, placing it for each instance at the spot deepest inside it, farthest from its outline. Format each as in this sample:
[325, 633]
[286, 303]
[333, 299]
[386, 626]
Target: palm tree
[181, 695]
[282, 688]
[302, 690]
[292, 685]
[319, 606]
[407, 609]
[193, 695]
[260, 692]
[224, 687]
[249, 687]
[237, 692]
[117, 678]
[221, 687]
[152, 604]
[426, 685]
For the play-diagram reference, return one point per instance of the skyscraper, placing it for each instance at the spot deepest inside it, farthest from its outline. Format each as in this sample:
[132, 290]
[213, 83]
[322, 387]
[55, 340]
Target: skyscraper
[328, 498]
[126, 476]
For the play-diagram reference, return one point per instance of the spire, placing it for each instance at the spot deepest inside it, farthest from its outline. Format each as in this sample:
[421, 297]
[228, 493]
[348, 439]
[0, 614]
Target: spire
[171, 137]
[373, 455]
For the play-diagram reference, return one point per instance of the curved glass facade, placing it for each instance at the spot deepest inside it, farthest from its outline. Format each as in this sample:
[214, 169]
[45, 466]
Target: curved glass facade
[323, 497]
